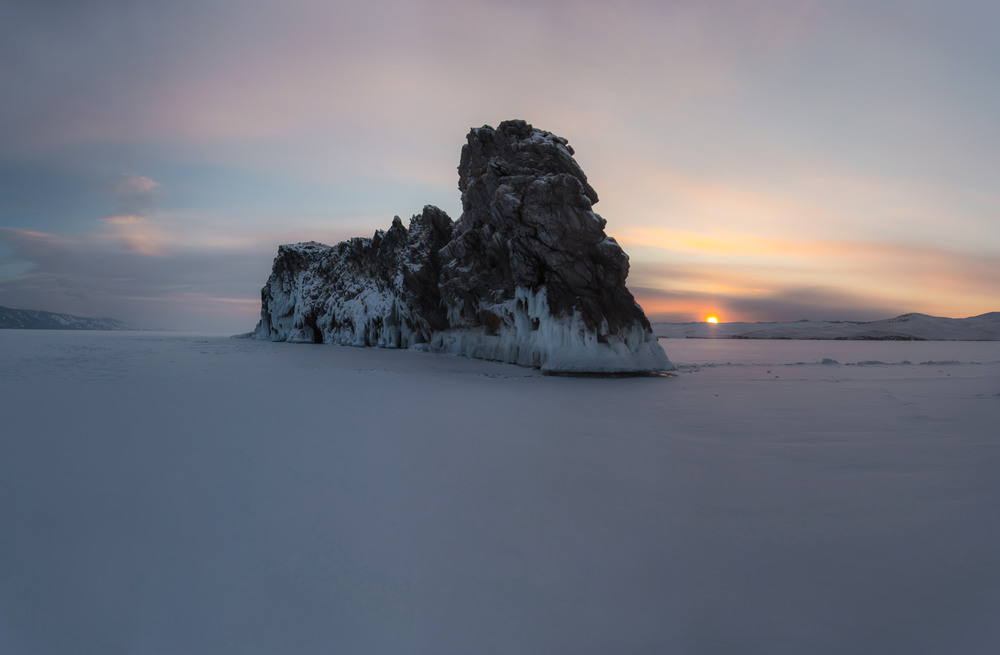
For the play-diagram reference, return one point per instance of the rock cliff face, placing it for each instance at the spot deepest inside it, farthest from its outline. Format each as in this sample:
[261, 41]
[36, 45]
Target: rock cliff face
[526, 274]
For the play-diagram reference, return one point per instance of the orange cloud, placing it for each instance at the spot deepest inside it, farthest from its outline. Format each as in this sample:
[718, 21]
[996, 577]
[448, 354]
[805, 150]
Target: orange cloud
[755, 269]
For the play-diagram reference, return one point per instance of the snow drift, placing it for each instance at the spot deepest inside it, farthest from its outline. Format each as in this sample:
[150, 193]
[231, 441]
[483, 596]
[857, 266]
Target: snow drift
[526, 275]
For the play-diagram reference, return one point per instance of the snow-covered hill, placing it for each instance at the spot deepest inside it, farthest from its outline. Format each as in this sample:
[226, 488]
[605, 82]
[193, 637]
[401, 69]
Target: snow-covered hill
[985, 327]
[31, 319]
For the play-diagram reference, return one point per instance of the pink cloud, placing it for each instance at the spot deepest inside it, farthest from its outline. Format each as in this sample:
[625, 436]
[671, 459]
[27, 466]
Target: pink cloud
[138, 233]
[135, 185]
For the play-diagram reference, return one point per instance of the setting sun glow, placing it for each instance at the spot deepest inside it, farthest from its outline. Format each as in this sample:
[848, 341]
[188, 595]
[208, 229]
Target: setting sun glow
[712, 319]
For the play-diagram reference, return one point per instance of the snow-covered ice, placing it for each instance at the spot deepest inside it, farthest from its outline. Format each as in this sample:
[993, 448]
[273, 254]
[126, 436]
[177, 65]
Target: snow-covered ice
[165, 493]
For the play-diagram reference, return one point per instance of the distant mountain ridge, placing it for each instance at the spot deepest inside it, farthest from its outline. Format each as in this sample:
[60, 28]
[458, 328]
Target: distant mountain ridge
[907, 327]
[33, 319]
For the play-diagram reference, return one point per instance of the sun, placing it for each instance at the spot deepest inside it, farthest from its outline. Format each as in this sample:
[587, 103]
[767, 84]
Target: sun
[712, 319]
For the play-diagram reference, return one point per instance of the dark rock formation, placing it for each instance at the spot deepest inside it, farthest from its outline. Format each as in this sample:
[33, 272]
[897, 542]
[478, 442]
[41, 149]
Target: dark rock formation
[526, 275]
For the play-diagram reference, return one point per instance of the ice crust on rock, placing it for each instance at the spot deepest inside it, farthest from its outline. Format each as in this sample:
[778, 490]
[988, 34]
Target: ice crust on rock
[526, 275]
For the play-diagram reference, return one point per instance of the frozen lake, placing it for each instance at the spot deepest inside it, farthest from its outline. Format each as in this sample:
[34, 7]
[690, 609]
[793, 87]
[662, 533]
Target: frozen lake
[164, 493]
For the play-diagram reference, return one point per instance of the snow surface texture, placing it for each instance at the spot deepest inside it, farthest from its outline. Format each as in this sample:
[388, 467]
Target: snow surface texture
[178, 494]
[526, 275]
[985, 327]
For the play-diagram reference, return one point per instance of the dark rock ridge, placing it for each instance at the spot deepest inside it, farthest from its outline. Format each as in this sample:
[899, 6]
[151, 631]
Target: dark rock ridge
[526, 275]
[33, 319]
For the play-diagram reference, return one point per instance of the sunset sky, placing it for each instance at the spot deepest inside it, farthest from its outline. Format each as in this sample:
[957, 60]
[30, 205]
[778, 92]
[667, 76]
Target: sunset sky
[757, 160]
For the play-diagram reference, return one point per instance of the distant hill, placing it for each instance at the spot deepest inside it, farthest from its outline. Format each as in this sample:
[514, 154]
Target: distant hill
[908, 327]
[30, 319]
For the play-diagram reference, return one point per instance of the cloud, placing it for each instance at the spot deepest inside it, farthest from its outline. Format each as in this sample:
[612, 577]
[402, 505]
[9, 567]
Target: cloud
[813, 303]
[138, 233]
[752, 147]
[787, 279]
[135, 186]
[185, 289]
[328, 70]
[135, 194]
[130, 223]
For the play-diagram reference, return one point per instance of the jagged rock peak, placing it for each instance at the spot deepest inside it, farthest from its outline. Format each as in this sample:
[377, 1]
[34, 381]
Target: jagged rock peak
[527, 210]
[526, 274]
[516, 148]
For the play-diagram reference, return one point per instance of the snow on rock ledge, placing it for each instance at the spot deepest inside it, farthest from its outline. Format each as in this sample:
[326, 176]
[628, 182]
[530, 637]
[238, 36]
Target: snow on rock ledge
[526, 275]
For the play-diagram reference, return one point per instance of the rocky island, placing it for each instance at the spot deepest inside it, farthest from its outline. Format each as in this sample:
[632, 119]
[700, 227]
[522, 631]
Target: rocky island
[526, 275]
